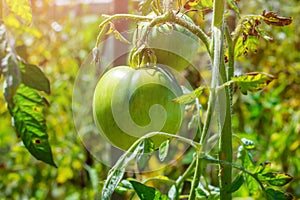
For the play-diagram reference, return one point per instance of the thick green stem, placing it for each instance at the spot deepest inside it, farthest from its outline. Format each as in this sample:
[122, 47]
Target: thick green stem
[224, 111]
[197, 175]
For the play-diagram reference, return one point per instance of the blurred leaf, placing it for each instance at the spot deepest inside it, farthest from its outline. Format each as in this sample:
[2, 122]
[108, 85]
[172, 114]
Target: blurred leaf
[12, 75]
[21, 8]
[272, 18]
[93, 176]
[201, 193]
[275, 178]
[236, 183]
[198, 4]
[147, 193]
[33, 77]
[189, 98]
[163, 150]
[233, 5]
[253, 81]
[273, 194]
[3, 44]
[116, 173]
[262, 167]
[172, 193]
[145, 6]
[29, 121]
[248, 144]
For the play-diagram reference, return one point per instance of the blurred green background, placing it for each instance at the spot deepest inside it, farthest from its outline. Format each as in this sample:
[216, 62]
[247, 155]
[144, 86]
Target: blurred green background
[61, 38]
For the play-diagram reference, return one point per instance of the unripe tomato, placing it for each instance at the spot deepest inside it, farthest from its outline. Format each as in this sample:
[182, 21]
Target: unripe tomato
[173, 45]
[129, 103]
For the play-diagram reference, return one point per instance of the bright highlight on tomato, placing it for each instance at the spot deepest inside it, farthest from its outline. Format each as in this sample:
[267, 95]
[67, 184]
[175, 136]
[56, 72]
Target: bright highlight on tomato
[129, 103]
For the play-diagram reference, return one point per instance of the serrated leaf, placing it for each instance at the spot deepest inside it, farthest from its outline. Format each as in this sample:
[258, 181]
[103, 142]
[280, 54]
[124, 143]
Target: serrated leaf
[33, 77]
[248, 144]
[236, 183]
[147, 193]
[253, 81]
[272, 18]
[275, 178]
[163, 150]
[246, 45]
[264, 35]
[273, 194]
[29, 121]
[21, 8]
[190, 97]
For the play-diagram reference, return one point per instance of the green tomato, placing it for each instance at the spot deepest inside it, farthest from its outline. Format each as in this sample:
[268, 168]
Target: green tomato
[129, 103]
[173, 45]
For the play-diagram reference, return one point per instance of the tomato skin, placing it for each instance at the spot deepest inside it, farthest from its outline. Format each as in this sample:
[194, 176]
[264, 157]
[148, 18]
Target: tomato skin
[174, 45]
[126, 105]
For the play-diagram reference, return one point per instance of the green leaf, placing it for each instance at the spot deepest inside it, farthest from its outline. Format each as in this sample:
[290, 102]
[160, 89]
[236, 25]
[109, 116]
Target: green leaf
[143, 158]
[272, 18]
[190, 97]
[262, 167]
[112, 181]
[273, 194]
[29, 121]
[253, 81]
[116, 173]
[147, 193]
[248, 163]
[248, 144]
[244, 45]
[163, 150]
[201, 193]
[236, 183]
[33, 77]
[246, 157]
[275, 178]
[21, 8]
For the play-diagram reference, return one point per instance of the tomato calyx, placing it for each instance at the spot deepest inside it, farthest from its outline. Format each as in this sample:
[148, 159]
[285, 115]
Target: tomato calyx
[141, 57]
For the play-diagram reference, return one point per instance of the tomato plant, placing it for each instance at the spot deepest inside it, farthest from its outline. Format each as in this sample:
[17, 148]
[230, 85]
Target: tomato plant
[128, 103]
[155, 32]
